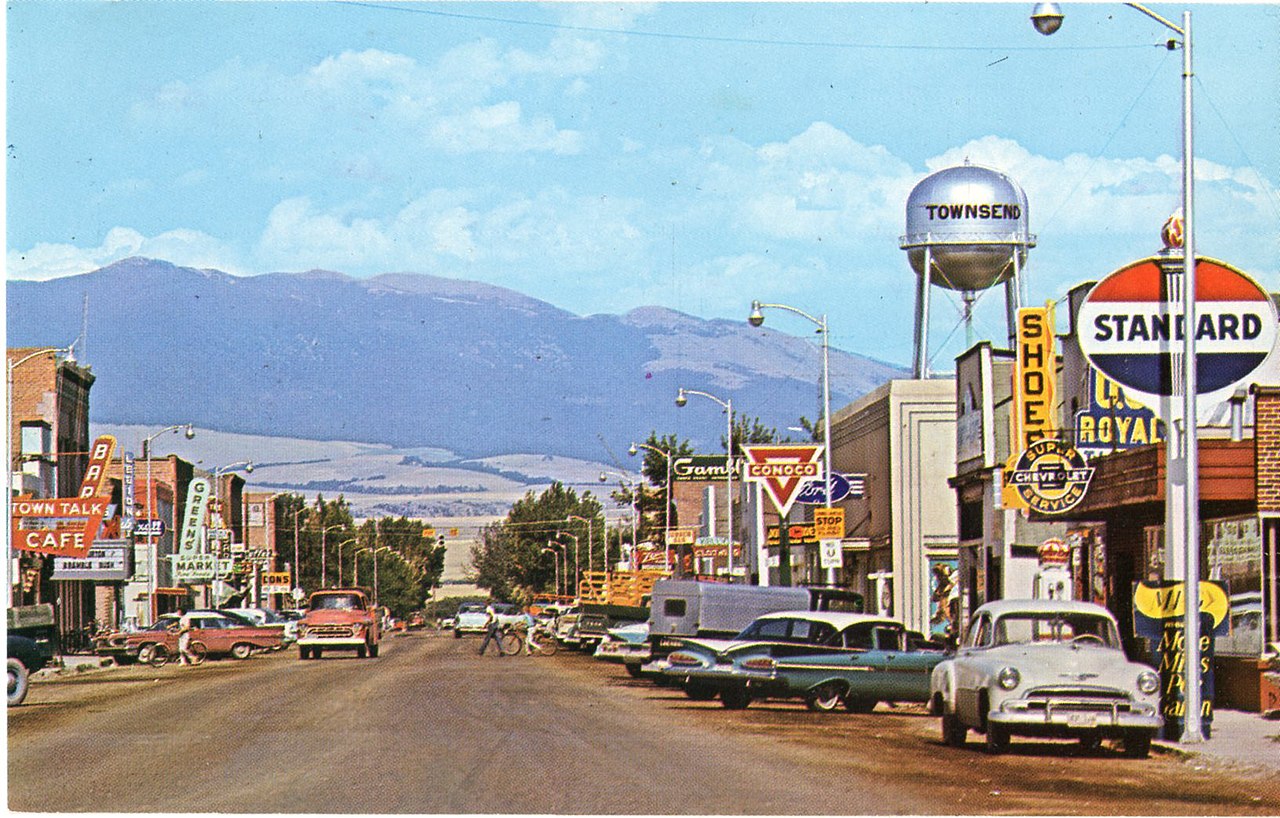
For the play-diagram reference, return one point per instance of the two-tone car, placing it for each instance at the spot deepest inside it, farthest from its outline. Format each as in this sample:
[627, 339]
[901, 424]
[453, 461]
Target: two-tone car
[1049, 668]
[830, 659]
[221, 632]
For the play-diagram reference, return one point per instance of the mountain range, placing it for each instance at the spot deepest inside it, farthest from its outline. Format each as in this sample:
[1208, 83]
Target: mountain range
[411, 360]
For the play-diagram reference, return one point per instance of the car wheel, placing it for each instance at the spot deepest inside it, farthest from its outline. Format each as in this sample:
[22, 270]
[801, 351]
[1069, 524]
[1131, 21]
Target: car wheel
[360, 652]
[316, 653]
[144, 654]
[19, 682]
[700, 692]
[457, 634]
[954, 732]
[735, 698]
[241, 650]
[373, 651]
[304, 653]
[824, 698]
[1137, 744]
[997, 739]
[856, 705]
[633, 670]
[1090, 742]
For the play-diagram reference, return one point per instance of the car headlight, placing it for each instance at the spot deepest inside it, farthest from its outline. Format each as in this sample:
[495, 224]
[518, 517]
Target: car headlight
[1009, 678]
[1148, 682]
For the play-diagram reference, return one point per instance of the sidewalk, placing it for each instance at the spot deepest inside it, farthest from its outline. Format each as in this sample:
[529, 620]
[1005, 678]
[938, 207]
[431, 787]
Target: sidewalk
[1239, 739]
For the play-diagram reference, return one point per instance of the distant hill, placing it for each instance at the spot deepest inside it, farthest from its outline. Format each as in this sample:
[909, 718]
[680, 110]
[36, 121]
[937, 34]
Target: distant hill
[413, 360]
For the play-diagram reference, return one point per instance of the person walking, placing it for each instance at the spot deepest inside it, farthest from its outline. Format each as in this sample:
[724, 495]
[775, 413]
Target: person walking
[491, 630]
[528, 624]
[185, 656]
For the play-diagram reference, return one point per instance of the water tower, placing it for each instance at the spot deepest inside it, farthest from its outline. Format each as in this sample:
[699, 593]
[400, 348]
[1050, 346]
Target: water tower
[966, 231]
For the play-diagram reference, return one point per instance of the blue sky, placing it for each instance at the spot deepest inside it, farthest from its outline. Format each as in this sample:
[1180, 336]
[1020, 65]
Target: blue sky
[608, 156]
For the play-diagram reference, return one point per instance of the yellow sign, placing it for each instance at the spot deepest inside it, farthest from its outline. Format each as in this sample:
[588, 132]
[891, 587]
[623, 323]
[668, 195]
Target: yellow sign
[1169, 602]
[276, 578]
[828, 523]
[1035, 375]
[681, 536]
[428, 533]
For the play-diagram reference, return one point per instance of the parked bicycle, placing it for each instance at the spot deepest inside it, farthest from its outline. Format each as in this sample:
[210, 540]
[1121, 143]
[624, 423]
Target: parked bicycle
[541, 640]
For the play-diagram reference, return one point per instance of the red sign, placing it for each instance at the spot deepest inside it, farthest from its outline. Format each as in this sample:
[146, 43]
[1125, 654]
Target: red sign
[782, 470]
[80, 518]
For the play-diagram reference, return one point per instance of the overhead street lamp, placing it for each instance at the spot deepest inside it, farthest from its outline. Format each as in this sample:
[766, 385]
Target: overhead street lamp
[356, 561]
[591, 562]
[633, 487]
[153, 581]
[1183, 528]
[577, 571]
[324, 570]
[756, 318]
[727, 403]
[344, 542]
[8, 472]
[564, 553]
[556, 565]
[667, 501]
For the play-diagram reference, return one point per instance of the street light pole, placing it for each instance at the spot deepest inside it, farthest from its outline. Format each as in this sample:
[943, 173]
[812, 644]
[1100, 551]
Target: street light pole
[633, 487]
[153, 581]
[590, 553]
[727, 403]
[324, 535]
[756, 318]
[669, 499]
[1184, 528]
[577, 571]
[554, 564]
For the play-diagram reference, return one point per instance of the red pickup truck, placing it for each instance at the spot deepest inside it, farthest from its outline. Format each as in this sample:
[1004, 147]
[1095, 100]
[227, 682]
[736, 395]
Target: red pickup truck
[339, 619]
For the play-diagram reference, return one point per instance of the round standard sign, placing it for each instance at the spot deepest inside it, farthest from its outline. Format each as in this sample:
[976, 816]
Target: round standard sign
[1131, 328]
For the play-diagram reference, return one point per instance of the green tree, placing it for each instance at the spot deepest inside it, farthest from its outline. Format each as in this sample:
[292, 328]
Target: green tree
[512, 559]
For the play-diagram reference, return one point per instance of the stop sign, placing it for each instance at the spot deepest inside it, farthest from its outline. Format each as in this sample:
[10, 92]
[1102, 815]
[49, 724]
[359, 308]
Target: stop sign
[1131, 326]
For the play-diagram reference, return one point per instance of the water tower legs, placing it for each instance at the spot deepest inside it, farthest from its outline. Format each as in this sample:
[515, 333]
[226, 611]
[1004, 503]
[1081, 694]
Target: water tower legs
[920, 364]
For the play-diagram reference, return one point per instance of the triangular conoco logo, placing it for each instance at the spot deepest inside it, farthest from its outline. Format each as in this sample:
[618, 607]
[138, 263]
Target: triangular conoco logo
[782, 470]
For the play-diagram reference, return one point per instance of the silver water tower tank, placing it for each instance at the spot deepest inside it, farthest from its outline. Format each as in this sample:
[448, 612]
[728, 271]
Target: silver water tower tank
[966, 231]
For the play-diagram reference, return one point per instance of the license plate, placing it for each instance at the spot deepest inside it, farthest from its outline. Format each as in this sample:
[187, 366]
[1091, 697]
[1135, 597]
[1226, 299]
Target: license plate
[1082, 720]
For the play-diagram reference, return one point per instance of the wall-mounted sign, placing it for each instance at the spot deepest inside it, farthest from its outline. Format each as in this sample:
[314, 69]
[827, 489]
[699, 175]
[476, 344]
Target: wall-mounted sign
[1113, 420]
[797, 534]
[103, 562]
[1050, 477]
[195, 568]
[128, 494]
[276, 582]
[190, 538]
[843, 487]
[681, 536]
[256, 514]
[149, 527]
[701, 468]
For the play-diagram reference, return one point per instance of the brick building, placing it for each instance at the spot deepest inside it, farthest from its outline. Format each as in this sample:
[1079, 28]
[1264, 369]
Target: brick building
[48, 456]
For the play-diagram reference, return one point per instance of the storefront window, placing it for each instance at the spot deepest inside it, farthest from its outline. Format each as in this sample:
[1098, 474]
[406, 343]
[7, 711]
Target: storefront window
[1233, 555]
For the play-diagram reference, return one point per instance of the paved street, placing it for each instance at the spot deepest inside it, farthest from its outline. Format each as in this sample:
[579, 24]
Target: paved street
[431, 727]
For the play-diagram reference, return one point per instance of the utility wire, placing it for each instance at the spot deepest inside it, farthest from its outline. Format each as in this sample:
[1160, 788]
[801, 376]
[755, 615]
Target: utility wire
[707, 38]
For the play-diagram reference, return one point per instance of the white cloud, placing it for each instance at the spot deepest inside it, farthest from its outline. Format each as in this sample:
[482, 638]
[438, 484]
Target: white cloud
[187, 248]
[502, 128]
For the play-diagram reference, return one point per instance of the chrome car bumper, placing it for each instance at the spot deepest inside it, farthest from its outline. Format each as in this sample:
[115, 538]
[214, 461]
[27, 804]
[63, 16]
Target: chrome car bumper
[1069, 715]
[331, 641]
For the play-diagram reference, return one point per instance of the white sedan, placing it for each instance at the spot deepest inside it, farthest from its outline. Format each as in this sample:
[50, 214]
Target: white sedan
[1049, 668]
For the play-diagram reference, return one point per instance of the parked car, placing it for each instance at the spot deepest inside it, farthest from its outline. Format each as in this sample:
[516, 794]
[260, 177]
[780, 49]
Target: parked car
[827, 658]
[1050, 668]
[222, 632]
[473, 617]
[267, 618]
[628, 644]
[116, 643]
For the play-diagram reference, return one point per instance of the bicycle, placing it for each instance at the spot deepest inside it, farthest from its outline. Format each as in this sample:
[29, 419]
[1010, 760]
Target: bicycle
[541, 642]
[161, 655]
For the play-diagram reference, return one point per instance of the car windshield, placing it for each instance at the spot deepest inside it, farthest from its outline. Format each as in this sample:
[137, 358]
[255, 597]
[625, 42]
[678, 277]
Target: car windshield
[336, 602]
[471, 607]
[237, 618]
[1028, 628]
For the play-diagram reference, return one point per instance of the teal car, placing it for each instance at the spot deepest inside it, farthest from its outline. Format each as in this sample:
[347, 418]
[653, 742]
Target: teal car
[828, 659]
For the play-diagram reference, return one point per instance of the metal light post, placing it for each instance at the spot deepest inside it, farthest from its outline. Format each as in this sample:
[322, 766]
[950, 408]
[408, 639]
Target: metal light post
[727, 403]
[555, 564]
[247, 465]
[668, 500]
[591, 562]
[324, 570]
[345, 542]
[356, 560]
[153, 580]
[8, 473]
[634, 488]
[1184, 528]
[564, 554]
[756, 318]
[577, 571]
